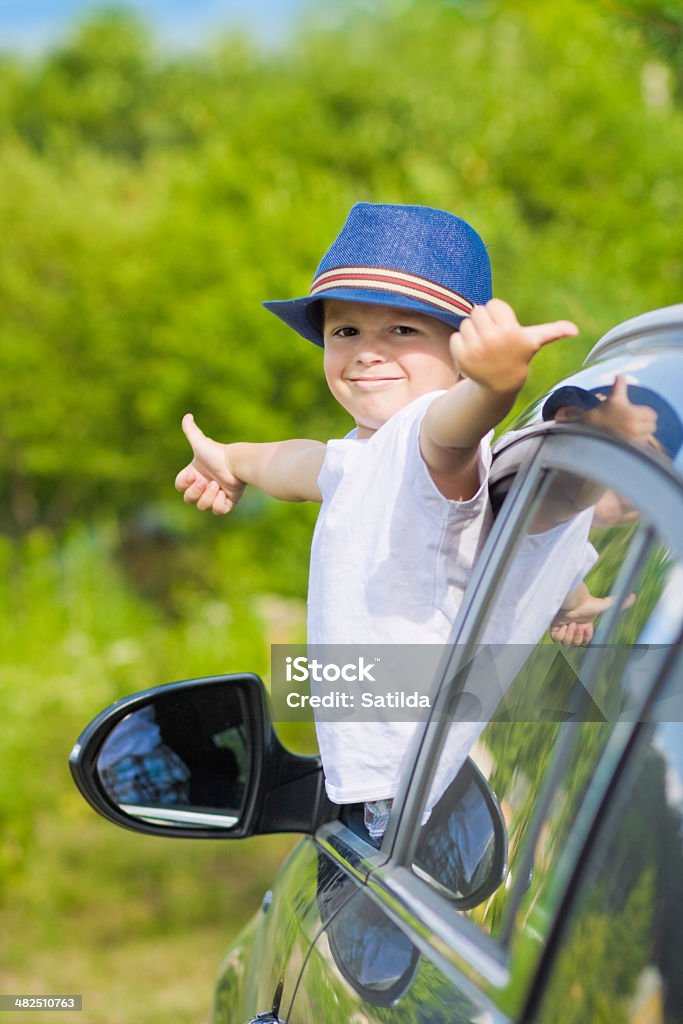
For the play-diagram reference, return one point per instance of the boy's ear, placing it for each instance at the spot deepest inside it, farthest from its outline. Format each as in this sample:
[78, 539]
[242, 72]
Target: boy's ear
[569, 414]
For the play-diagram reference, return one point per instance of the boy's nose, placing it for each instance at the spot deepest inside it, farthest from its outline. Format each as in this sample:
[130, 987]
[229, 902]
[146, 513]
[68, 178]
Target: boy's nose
[371, 349]
[369, 356]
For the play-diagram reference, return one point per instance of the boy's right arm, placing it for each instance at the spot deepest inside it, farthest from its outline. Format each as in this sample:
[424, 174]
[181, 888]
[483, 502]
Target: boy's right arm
[492, 350]
[218, 473]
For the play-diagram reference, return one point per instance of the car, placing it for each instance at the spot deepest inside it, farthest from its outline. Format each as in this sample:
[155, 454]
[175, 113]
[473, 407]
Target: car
[546, 884]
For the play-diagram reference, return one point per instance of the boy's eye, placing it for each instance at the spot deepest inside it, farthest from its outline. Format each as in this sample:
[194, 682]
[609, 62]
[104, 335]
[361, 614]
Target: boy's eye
[345, 332]
[404, 329]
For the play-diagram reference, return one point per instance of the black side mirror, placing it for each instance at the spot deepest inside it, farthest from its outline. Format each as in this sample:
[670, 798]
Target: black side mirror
[200, 759]
[462, 848]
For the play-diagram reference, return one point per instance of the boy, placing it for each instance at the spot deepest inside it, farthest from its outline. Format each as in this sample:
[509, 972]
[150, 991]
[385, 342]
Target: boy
[426, 363]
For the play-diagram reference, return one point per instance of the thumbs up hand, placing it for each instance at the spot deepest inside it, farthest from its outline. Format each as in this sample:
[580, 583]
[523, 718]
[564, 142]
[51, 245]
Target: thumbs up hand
[616, 413]
[493, 349]
[208, 481]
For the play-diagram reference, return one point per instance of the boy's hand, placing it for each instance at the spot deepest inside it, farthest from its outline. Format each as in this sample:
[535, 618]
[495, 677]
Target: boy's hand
[574, 626]
[494, 350]
[636, 423]
[208, 481]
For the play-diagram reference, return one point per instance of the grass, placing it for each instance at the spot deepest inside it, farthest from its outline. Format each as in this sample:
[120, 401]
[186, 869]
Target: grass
[136, 924]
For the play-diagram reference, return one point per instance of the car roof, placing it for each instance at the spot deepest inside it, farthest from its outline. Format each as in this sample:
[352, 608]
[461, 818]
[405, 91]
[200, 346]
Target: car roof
[660, 328]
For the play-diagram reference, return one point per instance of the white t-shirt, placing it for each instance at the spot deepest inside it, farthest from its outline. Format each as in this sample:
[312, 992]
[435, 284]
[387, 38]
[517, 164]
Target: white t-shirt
[546, 567]
[390, 560]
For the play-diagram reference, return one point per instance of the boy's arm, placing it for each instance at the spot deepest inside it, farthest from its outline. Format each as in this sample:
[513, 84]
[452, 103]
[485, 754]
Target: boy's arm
[218, 473]
[493, 351]
[573, 625]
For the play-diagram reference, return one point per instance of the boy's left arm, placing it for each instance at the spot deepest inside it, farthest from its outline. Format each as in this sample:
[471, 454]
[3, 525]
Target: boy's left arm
[493, 352]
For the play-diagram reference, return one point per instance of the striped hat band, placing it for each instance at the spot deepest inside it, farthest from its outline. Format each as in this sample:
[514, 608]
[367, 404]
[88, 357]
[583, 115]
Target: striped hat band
[395, 281]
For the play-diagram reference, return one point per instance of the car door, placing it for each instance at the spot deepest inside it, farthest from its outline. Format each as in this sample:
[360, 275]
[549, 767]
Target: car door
[262, 968]
[548, 726]
[618, 950]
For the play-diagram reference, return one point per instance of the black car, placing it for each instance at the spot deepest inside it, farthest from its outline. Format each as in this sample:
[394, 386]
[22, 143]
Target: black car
[547, 884]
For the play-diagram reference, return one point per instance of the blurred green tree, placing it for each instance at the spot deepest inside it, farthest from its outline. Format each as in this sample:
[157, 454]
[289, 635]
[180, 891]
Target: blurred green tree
[148, 204]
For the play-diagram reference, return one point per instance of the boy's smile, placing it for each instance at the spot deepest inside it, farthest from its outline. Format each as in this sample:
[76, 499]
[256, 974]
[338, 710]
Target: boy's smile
[378, 359]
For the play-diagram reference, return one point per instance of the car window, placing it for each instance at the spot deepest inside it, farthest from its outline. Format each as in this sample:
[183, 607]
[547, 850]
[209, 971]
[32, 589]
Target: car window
[619, 958]
[553, 661]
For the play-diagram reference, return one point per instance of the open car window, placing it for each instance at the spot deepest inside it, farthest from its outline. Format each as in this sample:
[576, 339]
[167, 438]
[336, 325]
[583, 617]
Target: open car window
[544, 681]
[568, 622]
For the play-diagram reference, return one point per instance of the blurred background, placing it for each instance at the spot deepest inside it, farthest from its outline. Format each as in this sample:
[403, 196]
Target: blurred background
[164, 167]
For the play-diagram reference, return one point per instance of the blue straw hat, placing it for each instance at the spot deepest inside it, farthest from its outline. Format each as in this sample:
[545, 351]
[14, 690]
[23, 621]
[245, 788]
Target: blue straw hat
[413, 257]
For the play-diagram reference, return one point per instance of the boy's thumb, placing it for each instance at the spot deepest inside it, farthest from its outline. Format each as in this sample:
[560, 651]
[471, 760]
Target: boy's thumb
[543, 334]
[619, 389]
[191, 430]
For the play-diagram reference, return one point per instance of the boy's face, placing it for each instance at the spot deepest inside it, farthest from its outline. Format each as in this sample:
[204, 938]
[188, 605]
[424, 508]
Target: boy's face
[378, 359]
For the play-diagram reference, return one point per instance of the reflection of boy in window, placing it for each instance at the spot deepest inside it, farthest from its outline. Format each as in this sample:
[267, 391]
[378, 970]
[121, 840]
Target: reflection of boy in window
[638, 415]
[137, 767]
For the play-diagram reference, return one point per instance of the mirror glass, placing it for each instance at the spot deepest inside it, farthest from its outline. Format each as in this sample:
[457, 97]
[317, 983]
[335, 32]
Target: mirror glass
[463, 843]
[372, 954]
[182, 758]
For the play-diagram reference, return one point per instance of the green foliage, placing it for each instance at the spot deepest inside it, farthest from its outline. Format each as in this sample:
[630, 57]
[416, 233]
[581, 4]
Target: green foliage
[121, 909]
[75, 638]
[660, 24]
[149, 204]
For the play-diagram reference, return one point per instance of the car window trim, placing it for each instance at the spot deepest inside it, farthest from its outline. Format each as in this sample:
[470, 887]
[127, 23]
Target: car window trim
[458, 947]
[342, 845]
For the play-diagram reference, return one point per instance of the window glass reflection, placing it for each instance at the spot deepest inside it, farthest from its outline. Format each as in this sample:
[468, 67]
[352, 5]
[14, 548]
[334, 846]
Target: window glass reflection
[137, 767]
[621, 955]
[557, 654]
[648, 383]
[370, 951]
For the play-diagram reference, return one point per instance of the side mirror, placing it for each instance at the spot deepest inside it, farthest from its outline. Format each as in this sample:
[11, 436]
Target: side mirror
[462, 848]
[461, 851]
[200, 759]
